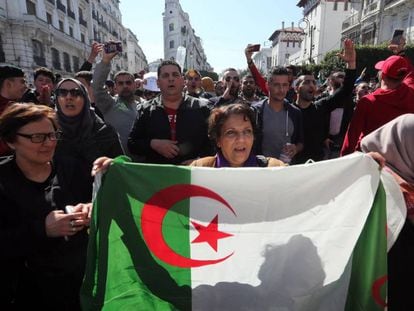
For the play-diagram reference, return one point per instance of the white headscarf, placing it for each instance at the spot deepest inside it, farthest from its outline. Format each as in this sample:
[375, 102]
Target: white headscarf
[395, 142]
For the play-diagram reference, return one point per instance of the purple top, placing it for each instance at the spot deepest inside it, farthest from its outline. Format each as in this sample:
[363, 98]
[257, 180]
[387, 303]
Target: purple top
[221, 161]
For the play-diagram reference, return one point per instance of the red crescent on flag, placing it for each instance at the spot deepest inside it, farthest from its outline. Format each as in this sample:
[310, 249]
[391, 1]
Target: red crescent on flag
[376, 290]
[152, 217]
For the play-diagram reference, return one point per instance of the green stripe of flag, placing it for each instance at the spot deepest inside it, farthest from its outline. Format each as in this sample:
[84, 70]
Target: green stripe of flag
[121, 273]
[367, 288]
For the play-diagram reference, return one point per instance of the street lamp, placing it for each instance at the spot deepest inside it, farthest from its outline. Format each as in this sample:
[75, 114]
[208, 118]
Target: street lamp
[310, 29]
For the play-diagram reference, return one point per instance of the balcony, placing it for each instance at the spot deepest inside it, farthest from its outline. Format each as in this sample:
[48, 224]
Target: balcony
[351, 21]
[61, 7]
[370, 8]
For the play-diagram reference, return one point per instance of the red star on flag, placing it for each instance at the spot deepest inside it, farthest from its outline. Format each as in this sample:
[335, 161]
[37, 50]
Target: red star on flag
[209, 233]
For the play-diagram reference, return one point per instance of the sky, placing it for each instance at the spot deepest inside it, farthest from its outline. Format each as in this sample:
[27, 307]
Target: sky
[224, 26]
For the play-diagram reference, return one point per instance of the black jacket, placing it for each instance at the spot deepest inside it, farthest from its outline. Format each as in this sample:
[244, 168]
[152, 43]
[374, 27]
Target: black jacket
[191, 130]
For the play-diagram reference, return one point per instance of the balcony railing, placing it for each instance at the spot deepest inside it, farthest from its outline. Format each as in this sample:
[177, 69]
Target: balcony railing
[371, 7]
[351, 21]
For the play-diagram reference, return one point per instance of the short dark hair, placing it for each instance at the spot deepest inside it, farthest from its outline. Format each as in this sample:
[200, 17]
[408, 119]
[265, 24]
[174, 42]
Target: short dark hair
[219, 116]
[87, 75]
[123, 73]
[277, 71]
[166, 63]
[18, 115]
[293, 68]
[44, 72]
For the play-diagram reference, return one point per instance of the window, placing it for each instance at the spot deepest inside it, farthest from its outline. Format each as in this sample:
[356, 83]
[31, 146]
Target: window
[31, 7]
[55, 59]
[71, 31]
[2, 55]
[171, 27]
[61, 26]
[82, 38]
[66, 62]
[38, 53]
[335, 8]
[171, 44]
[75, 61]
[49, 18]
[346, 5]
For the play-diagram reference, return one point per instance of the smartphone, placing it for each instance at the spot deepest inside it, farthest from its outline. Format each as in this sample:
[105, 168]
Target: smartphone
[255, 47]
[69, 209]
[111, 47]
[396, 36]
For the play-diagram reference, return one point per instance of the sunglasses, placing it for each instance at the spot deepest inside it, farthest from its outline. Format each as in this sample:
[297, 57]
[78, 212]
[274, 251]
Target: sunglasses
[39, 138]
[73, 92]
[237, 79]
[129, 82]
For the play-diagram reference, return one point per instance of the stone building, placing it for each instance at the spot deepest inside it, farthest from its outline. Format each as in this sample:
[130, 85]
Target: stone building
[58, 34]
[180, 41]
[374, 21]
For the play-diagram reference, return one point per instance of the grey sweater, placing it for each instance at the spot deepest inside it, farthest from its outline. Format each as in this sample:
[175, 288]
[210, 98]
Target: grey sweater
[120, 114]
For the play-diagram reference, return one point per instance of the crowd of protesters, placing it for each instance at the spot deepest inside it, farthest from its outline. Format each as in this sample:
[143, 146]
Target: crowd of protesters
[167, 117]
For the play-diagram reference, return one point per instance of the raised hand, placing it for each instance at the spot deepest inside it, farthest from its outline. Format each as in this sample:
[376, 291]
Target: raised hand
[348, 54]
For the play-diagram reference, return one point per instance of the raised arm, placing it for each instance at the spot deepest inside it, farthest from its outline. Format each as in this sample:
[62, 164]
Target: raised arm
[260, 81]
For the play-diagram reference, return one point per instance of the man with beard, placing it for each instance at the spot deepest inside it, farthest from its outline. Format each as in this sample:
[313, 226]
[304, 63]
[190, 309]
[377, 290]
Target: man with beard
[231, 82]
[248, 90]
[279, 123]
[171, 128]
[119, 111]
[315, 113]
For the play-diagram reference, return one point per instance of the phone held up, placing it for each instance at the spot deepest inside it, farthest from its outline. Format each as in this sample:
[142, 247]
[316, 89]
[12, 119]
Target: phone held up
[255, 47]
[396, 36]
[111, 47]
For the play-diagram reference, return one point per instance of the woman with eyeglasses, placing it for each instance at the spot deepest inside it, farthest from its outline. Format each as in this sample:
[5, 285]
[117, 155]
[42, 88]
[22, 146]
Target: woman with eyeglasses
[231, 128]
[43, 248]
[84, 135]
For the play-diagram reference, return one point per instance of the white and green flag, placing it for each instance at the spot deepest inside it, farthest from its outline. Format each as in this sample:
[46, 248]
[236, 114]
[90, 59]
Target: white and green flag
[307, 237]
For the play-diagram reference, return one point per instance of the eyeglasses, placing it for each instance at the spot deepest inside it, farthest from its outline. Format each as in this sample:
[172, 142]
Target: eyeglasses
[235, 78]
[73, 92]
[129, 82]
[233, 134]
[39, 138]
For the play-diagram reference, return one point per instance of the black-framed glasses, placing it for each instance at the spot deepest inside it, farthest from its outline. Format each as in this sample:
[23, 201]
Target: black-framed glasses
[228, 78]
[73, 92]
[39, 138]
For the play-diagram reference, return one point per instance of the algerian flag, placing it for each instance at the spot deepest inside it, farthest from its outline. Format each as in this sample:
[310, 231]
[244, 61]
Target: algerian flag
[307, 237]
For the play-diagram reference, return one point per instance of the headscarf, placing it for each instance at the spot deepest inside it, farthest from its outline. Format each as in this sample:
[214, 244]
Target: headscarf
[78, 127]
[85, 135]
[395, 142]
